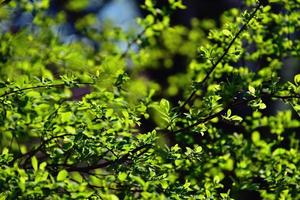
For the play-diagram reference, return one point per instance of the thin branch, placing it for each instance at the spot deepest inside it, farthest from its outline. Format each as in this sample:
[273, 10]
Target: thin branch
[37, 87]
[31, 153]
[217, 114]
[203, 82]
[230, 106]
[286, 97]
[130, 44]
[121, 160]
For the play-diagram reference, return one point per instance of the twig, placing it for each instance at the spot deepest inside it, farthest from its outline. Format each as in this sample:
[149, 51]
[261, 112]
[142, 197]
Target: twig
[130, 44]
[286, 97]
[205, 119]
[37, 87]
[34, 151]
[230, 106]
[110, 163]
[203, 82]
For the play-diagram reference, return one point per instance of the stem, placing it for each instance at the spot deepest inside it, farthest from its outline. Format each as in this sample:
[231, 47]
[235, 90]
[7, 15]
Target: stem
[110, 163]
[129, 45]
[34, 151]
[230, 106]
[37, 87]
[203, 82]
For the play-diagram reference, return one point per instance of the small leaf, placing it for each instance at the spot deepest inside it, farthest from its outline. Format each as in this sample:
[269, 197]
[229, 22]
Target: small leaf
[70, 129]
[62, 175]
[236, 118]
[178, 162]
[262, 106]
[149, 3]
[226, 32]
[3, 196]
[228, 113]
[34, 163]
[164, 184]
[198, 149]
[188, 151]
[186, 185]
[122, 176]
[251, 89]
[175, 148]
[76, 176]
[279, 151]
[297, 79]
[5, 150]
[216, 179]
[165, 105]
[43, 166]
[138, 180]
[255, 137]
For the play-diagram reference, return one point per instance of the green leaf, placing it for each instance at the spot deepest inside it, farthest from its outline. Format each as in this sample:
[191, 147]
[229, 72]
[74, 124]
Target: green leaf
[178, 162]
[216, 179]
[255, 137]
[164, 184]
[175, 148]
[43, 166]
[5, 151]
[186, 184]
[138, 180]
[297, 79]
[162, 109]
[76, 176]
[149, 3]
[236, 118]
[62, 175]
[262, 106]
[228, 113]
[279, 151]
[198, 149]
[70, 129]
[251, 89]
[3, 196]
[122, 176]
[34, 163]
[227, 32]
[165, 105]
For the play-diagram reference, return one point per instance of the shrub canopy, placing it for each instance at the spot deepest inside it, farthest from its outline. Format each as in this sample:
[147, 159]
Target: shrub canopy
[225, 122]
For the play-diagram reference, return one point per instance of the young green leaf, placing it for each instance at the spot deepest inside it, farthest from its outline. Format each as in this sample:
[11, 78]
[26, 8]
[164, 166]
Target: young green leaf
[164, 105]
[227, 33]
[236, 118]
[62, 175]
[297, 79]
[34, 163]
[251, 90]
[122, 176]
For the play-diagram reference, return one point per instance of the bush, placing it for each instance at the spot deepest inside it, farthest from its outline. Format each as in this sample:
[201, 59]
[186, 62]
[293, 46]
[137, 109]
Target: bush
[232, 132]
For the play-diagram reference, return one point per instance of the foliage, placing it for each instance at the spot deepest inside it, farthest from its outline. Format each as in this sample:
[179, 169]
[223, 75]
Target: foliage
[223, 137]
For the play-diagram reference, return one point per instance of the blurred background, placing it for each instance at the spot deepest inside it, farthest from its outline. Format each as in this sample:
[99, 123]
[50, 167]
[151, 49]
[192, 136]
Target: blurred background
[121, 12]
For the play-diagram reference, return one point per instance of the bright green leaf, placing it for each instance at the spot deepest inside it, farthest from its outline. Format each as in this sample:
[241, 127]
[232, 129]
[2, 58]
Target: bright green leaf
[34, 163]
[62, 175]
[251, 89]
[297, 79]
[122, 176]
